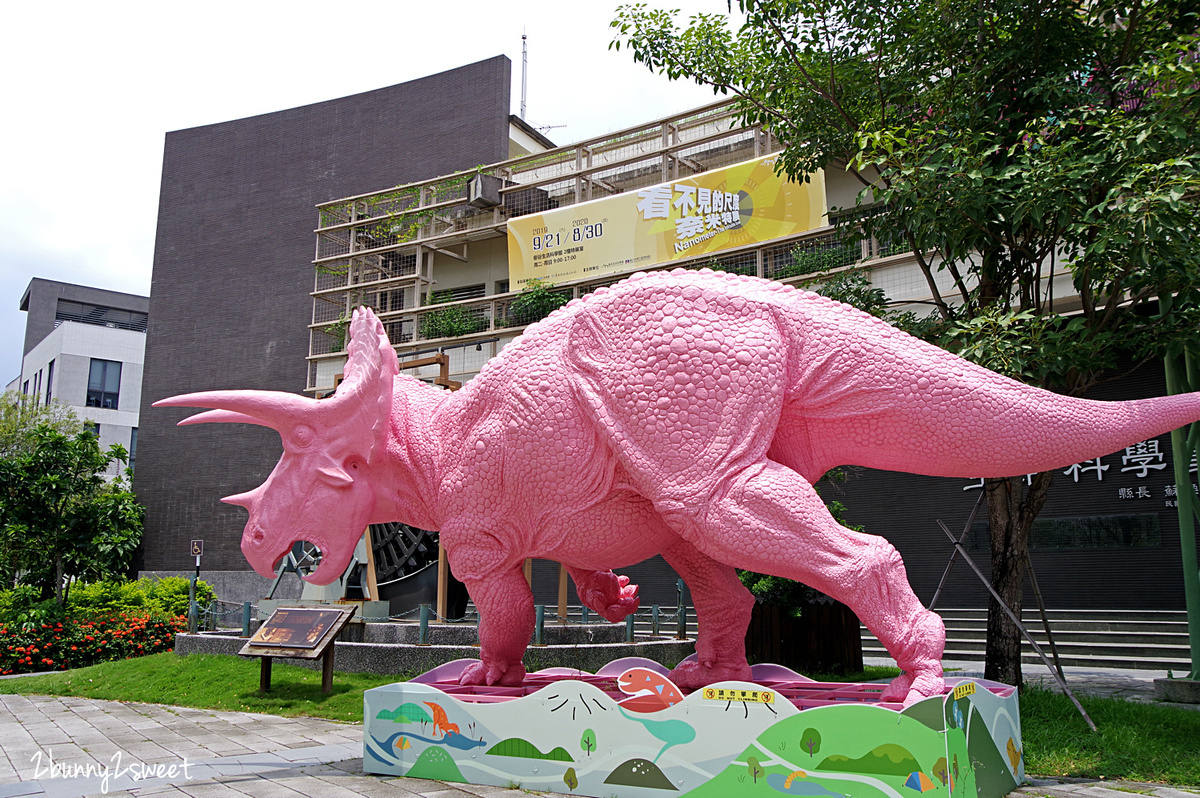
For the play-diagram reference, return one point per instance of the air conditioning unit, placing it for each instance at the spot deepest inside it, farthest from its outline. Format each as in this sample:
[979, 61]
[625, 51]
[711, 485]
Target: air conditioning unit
[483, 191]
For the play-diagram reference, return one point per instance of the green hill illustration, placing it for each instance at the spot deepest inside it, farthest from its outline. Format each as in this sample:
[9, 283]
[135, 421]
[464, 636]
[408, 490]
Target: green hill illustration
[884, 760]
[640, 773]
[435, 763]
[406, 713]
[515, 746]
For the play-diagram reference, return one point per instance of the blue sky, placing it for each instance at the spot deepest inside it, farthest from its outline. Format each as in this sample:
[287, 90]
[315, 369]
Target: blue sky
[91, 89]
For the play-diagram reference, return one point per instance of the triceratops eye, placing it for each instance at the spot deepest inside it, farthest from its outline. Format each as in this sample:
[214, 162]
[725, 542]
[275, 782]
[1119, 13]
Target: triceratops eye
[302, 435]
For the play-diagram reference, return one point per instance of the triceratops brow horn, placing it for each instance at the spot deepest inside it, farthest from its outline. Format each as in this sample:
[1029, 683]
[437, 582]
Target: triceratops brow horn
[218, 416]
[276, 409]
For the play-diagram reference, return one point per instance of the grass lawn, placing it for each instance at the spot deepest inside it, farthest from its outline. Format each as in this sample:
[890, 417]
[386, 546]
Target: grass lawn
[1134, 741]
[1138, 742]
[209, 681]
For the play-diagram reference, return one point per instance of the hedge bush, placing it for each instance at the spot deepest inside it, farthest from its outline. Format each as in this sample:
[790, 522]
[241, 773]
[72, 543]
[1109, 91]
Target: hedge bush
[167, 596]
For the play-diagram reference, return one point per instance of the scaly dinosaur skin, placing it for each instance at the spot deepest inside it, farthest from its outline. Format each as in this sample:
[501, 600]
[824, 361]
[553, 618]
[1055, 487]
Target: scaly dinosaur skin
[684, 414]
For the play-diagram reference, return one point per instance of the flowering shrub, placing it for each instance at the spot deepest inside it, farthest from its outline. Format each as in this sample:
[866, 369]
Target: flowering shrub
[74, 643]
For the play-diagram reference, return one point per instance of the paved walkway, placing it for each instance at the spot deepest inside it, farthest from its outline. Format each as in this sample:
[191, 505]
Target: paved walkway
[72, 747]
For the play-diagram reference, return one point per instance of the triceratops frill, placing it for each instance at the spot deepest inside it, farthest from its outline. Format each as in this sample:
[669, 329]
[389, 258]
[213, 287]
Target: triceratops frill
[685, 414]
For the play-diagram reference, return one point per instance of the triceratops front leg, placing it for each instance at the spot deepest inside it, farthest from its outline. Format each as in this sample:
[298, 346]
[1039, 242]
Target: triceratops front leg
[723, 607]
[502, 597]
[505, 608]
[609, 594]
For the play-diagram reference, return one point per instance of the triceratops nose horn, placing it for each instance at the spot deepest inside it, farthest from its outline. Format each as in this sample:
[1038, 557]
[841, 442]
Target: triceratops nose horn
[246, 499]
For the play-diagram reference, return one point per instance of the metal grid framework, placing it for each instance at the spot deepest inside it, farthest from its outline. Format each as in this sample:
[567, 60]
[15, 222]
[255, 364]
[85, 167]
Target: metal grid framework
[377, 249]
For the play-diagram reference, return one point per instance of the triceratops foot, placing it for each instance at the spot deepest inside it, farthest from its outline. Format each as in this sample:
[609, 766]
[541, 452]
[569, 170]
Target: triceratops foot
[693, 674]
[608, 594]
[921, 661]
[493, 673]
[915, 685]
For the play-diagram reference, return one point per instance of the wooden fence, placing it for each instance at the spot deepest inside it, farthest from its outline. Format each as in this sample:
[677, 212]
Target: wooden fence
[825, 639]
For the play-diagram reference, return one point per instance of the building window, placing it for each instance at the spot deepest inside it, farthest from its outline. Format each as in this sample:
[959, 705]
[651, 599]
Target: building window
[502, 286]
[37, 388]
[87, 313]
[104, 384]
[132, 448]
[457, 294]
[49, 382]
[1140, 531]
[92, 427]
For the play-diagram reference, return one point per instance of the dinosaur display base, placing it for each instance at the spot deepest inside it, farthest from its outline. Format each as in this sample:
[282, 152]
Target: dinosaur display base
[627, 730]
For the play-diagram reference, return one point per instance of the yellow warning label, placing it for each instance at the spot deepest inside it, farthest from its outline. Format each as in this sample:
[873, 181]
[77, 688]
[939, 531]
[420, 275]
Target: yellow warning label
[963, 690]
[726, 694]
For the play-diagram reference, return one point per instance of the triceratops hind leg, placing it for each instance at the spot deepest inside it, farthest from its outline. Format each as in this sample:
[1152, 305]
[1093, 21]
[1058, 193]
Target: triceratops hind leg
[723, 607]
[767, 518]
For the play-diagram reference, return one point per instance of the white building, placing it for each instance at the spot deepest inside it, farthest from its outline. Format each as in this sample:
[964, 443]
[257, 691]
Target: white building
[85, 347]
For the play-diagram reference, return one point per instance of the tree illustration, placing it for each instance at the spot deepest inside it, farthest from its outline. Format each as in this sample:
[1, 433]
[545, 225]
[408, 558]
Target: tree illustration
[755, 769]
[940, 772]
[570, 779]
[588, 741]
[811, 740]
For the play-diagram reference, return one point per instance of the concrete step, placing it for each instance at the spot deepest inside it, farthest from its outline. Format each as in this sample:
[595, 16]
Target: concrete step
[1065, 636]
[1148, 639]
[1108, 616]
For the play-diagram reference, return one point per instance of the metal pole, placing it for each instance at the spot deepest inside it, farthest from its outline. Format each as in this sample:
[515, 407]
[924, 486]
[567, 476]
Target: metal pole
[1180, 379]
[539, 628]
[524, 72]
[681, 612]
[628, 628]
[954, 556]
[245, 619]
[423, 636]
[1037, 594]
[192, 609]
[1012, 616]
[654, 620]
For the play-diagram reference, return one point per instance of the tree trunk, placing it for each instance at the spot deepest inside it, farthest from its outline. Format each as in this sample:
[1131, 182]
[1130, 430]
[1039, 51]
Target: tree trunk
[58, 579]
[1012, 508]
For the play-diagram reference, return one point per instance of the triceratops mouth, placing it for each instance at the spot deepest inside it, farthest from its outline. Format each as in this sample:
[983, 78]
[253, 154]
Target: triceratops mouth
[306, 558]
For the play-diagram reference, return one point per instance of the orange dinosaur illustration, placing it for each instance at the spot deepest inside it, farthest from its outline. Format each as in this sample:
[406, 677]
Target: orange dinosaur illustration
[649, 691]
[440, 721]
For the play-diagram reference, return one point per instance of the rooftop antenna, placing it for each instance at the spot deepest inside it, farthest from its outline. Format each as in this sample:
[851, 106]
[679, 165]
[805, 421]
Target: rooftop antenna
[524, 72]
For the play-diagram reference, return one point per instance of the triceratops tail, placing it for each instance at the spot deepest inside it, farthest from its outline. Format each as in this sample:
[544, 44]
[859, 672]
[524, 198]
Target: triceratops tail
[1053, 431]
[885, 400]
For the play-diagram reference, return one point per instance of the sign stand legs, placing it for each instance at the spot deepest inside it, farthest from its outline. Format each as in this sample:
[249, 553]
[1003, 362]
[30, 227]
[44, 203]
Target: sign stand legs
[327, 672]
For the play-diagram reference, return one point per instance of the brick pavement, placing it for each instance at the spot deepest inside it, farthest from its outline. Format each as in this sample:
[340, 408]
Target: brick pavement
[151, 751]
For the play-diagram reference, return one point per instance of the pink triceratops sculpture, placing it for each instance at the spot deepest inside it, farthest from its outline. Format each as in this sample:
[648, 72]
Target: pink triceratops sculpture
[684, 414]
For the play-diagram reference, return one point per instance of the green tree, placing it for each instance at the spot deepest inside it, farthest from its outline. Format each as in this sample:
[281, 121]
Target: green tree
[756, 770]
[20, 415]
[588, 741]
[1006, 144]
[60, 518]
[811, 741]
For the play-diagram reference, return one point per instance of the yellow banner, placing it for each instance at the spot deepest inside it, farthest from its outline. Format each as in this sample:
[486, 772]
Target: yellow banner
[713, 211]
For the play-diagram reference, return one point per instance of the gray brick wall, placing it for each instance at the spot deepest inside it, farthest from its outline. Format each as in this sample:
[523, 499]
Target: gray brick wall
[229, 303]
